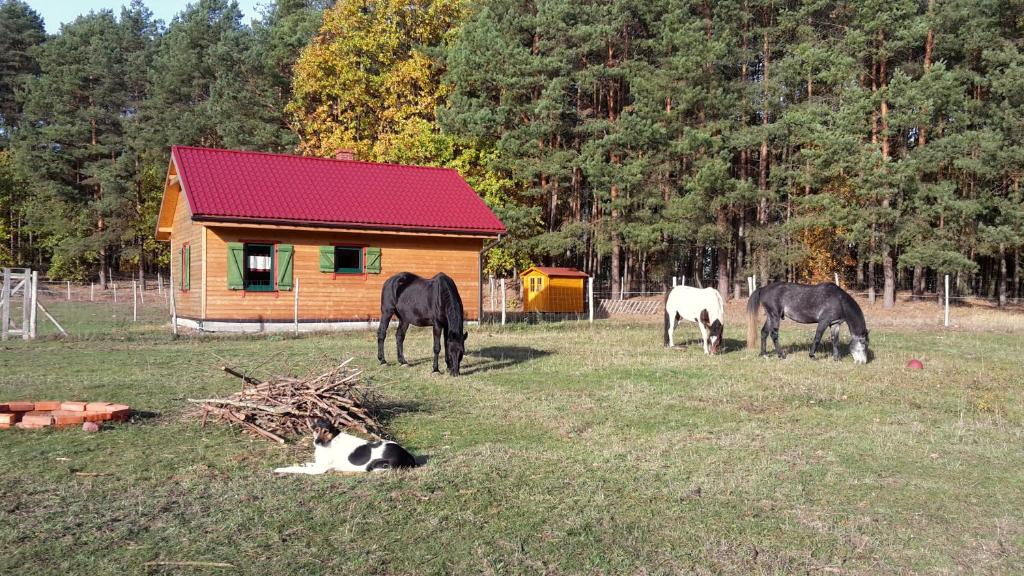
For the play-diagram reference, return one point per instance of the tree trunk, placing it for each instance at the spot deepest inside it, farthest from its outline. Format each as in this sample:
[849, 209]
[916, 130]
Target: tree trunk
[889, 293]
[616, 247]
[723, 253]
[871, 281]
[918, 289]
[1016, 274]
[762, 177]
[1002, 277]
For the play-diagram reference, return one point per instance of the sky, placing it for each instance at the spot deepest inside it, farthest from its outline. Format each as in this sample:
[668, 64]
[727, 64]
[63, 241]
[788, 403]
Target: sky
[57, 12]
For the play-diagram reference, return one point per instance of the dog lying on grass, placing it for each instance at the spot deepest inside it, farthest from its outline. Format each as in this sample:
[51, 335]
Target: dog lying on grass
[335, 451]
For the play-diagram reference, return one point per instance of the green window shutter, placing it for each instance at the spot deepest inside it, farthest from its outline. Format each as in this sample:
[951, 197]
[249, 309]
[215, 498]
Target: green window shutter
[327, 259]
[236, 257]
[284, 266]
[372, 260]
[188, 267]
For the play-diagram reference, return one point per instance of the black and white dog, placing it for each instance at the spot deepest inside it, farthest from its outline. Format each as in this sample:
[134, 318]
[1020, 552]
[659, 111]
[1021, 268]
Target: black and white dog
[334, 450]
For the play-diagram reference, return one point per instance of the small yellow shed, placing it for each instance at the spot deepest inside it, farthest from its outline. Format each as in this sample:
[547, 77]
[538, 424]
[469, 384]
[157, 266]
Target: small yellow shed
[547, 289]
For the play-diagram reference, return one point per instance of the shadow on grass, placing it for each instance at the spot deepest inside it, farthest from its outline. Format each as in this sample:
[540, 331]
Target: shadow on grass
[386, 410]
[500, 357]
[729, 345]
[824, 351]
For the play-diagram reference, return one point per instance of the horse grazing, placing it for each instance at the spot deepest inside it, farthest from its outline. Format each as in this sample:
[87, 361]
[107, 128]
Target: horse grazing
[826, 305]
[435, 302]
[703, 306]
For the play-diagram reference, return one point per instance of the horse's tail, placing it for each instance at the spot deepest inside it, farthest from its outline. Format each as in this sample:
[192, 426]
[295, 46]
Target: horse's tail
[753, 307]
[389, 293]
[664, 331]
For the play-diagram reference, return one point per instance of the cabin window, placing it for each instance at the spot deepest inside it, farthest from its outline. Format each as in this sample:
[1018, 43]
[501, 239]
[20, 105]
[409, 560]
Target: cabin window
[259, 267]
[348, 260]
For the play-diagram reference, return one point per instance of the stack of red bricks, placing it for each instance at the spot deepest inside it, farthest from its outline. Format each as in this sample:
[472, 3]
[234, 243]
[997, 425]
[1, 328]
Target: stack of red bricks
[34, 415]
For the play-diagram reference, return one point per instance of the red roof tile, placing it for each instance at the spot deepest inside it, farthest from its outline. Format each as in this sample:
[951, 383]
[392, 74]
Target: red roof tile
[554, 272]
[234, 185]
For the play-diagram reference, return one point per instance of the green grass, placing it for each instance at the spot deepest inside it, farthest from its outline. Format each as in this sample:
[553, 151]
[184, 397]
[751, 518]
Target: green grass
[564, 449]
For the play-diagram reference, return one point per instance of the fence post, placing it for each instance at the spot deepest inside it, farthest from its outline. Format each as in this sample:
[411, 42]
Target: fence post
[115, 292]
[5, 304]
[159, 283]
[490, 284]
[682, 280]
[135, 302]
[502, 301]
[26, 310]
[69, 290]
[35, 298]
[590, 297]
[92, 291]
[295, 312]
[946, 321]
[674, 279]
[837, 277]
[622, 285]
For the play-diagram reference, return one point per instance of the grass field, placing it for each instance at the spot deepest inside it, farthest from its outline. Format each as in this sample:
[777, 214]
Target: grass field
[564, 449]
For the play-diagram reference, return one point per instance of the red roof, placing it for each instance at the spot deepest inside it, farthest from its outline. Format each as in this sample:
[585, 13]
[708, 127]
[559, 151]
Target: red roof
[233, 185]
[555, 272]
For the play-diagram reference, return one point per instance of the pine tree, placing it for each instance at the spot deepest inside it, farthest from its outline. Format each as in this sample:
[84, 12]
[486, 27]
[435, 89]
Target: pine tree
[21, 29]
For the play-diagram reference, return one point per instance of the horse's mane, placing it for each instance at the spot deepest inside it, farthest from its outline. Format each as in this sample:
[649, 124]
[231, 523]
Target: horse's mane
[452, 303]
[854, 315]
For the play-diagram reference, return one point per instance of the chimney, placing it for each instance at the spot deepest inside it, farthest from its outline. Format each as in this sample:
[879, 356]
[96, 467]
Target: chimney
[345, 154]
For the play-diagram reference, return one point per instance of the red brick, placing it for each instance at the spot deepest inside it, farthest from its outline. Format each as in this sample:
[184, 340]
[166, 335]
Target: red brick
[38, 417]
[116, 407]
[27, 426]
[48, 405]
[96, 416]
[73, 406]
[5, 426]
[97, 406]
[21, 406]
[67, 417]
[9, 417]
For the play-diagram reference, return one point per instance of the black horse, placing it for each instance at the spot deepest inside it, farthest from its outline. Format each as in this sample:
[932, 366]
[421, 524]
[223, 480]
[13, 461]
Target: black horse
[826, 305]
[435, 302]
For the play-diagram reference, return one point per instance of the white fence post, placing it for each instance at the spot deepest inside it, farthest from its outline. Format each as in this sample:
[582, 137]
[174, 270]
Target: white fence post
[674, 281]
[26, 306]
[622, 286]
[590, 297]
[502, 301]
[946, 321]
[35, 297]
[682, 280]
[115, 292]
[92, 291]
[837, 277]
[135, 302]
[296, 305]
[69, 290]
[5, 305]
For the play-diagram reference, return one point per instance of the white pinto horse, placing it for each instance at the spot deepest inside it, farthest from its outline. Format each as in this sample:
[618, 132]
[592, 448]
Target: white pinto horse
[701, 305]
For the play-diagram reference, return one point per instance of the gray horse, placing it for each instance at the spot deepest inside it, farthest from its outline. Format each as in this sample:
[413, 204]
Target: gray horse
[826, 305]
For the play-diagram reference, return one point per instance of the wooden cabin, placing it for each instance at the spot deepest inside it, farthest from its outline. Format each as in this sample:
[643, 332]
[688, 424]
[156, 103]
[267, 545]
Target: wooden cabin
[247, 228]
[547, 289]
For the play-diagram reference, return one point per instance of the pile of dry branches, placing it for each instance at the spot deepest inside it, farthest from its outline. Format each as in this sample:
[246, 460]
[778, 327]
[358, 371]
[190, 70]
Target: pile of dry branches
[283, 406]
